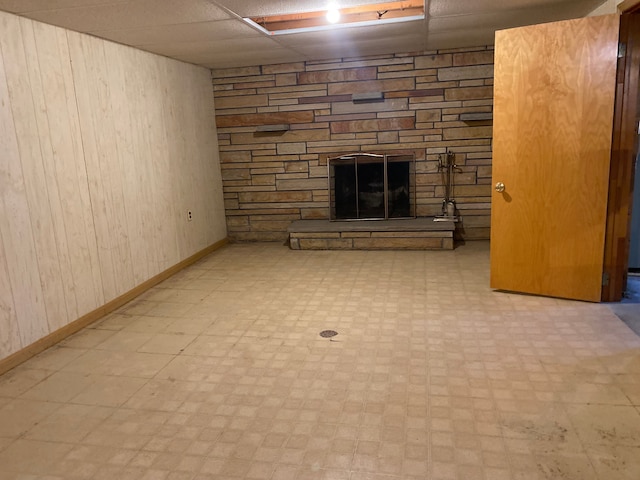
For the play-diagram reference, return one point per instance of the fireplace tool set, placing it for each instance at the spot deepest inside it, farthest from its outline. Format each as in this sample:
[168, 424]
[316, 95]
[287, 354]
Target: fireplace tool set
[446, 164]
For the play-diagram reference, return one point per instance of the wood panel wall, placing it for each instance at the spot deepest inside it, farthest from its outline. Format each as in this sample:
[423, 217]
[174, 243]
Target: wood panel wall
[104, 149]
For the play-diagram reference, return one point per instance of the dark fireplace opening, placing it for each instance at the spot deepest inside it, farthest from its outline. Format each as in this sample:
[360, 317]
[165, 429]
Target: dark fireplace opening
[366, 186]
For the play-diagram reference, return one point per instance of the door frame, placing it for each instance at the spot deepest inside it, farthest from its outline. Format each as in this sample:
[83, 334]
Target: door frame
[623, 153]
[628, 6]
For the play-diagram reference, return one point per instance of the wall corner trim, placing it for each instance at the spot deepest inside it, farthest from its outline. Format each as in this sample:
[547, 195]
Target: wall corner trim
[57, 336]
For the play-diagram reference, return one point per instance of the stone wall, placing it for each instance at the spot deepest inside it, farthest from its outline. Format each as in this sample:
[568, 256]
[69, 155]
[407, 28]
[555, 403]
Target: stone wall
[272, 179]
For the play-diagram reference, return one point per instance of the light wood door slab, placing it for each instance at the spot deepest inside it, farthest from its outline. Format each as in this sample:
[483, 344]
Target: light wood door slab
[554, 99]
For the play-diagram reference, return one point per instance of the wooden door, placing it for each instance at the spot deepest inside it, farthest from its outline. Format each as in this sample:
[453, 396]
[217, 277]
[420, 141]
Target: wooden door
[553, 119]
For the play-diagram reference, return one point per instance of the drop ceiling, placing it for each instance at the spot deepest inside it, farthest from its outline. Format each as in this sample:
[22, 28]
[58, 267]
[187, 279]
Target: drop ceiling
[212, 33]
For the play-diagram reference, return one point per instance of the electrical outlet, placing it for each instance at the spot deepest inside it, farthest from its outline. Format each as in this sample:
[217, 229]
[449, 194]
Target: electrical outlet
[189, 216]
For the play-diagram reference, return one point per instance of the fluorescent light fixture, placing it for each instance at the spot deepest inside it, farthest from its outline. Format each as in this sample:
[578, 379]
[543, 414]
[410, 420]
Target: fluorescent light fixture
[333, 15]
[363, 15]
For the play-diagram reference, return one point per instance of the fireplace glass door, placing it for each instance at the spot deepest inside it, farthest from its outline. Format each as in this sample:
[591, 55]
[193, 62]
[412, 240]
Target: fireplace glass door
[366, 186]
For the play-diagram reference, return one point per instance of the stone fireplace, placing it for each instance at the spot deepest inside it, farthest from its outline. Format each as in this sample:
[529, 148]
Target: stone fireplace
[278, 125]
[366, 186]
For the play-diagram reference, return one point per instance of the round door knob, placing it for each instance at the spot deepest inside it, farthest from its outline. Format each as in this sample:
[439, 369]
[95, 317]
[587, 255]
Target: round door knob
[500, 187]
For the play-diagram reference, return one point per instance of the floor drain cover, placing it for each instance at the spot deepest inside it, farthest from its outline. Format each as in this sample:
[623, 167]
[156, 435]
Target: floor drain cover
[328, 333]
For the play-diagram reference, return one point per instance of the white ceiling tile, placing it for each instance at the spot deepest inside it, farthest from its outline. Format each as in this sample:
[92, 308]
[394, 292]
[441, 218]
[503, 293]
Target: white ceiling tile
[227, 59]
[438, 8]
[236, 45]
[352, 42]
[25, 6]
[375, 46]
[133, 14]
[460, 39]
[501, 20]
[180, 33]
[210, 32]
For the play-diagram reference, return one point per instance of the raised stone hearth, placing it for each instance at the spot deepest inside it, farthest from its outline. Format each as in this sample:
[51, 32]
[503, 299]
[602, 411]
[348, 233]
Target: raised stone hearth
[400, 234]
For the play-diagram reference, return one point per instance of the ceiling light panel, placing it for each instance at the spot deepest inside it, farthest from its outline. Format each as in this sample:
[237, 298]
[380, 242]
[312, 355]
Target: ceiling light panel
[369, 15]
[253, 8]
[384, 31]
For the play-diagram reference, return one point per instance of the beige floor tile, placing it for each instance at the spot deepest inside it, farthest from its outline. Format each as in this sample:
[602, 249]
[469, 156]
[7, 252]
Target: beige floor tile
[120, 363]
[87, 338]
[632, 391]
[606, 425]
[5, 442]
[191, 296]
[32, 457]
[594, 393]
[18, 416]
[617, 462]
[139, 306]
[219, 373]
[214, 345]
[162, 395]
[109, 391]
[116, 321]
[167, 343]
[193, 369]
[59, 387]
[21, 379]
[125, 341]
[550, 427]
[55, 358]
[573, 466]
[194, 325]
[146, 324]
[170, 309]
[69, 424]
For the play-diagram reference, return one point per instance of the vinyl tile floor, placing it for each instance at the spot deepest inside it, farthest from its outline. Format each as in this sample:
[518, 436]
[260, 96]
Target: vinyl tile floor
[220, 373]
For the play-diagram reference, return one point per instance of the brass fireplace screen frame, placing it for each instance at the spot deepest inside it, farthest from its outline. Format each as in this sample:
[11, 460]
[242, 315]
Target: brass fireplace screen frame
[361, 193]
